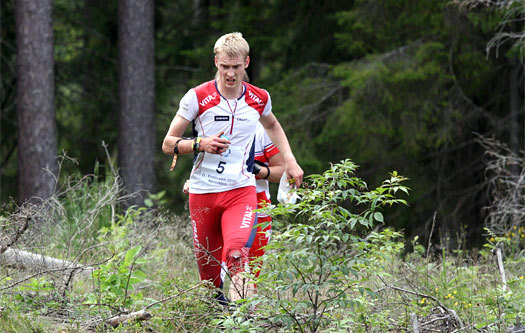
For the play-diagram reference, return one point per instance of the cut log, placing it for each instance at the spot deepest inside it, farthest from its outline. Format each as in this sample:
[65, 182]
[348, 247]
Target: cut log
[35, 261]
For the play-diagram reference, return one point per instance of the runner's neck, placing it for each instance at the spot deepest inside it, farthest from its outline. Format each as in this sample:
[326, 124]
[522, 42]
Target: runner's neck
[231, 94]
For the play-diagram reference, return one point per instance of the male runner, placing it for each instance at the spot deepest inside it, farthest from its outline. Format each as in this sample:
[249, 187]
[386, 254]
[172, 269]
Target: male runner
[268, 166]
[225, 112]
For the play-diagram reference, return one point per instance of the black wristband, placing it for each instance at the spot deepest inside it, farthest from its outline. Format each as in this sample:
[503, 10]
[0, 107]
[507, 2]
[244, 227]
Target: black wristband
[268, 169]
[256, 169]
[176, 148]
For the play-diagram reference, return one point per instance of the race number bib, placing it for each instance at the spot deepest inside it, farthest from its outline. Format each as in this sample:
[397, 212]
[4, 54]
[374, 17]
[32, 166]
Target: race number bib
[225, 169]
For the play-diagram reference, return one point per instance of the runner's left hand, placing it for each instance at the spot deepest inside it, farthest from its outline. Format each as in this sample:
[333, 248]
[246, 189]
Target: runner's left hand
[294, 171]
[186, 187]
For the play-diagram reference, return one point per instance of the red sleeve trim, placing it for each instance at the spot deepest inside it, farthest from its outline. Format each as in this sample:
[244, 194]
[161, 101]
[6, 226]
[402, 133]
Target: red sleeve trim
[256, 97]
[207, 96]
[270, 150]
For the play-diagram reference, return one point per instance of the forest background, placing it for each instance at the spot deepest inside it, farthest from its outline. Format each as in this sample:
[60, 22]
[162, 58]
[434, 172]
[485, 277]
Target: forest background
[428, 90]
[393, 85]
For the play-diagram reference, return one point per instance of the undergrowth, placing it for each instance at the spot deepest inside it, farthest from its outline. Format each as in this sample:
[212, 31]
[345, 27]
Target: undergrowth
[332, 266]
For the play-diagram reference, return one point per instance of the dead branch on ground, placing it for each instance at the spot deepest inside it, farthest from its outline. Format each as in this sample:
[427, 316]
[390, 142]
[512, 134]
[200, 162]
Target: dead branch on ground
[451, 315]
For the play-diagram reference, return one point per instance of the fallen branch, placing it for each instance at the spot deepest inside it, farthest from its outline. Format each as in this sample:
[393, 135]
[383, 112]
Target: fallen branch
[443, 307]
[141, 315]
[137, 315]
[24, 259]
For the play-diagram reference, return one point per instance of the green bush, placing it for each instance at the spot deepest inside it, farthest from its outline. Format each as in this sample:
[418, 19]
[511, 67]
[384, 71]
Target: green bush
[116, 279]
[316, 262]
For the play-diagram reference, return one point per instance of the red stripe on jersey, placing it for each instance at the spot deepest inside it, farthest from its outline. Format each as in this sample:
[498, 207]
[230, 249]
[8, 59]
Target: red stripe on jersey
[261, 158]
[207, 96]
[256, 97]
[202, 126]
[270, 150]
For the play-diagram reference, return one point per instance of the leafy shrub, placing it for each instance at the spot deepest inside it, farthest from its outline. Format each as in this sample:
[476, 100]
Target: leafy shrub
[115, 280]
[317, 260]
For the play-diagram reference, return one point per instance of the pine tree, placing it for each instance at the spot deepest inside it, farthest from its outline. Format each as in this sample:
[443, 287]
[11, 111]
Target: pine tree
[37, 137]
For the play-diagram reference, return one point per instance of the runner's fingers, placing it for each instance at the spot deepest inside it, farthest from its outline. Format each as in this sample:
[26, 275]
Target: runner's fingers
[221, 145]
[219, 148]
[215, 145]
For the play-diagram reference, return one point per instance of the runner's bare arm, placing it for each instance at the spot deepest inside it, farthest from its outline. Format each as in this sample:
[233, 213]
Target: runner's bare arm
[213, 144]
[277, 166]
[278, 137]
[177, 127]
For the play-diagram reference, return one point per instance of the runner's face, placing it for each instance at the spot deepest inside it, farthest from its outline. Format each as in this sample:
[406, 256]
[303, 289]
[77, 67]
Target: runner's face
[231, 70]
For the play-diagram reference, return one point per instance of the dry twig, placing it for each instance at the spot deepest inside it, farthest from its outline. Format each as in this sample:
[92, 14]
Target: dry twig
[451, 312]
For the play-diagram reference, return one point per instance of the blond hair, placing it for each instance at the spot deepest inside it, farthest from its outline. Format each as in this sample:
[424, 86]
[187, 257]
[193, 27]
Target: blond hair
[233, 44]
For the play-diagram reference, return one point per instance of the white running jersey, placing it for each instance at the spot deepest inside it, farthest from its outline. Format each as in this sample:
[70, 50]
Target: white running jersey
[211, 113]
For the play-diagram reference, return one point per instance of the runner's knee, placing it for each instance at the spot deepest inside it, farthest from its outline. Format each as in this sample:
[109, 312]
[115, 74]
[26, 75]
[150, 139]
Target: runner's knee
[237, 259]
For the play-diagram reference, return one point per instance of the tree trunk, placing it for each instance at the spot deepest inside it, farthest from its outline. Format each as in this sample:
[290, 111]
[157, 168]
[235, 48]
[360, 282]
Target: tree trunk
[200, 12]
[136, 135]
[37, 137]
[514, 111]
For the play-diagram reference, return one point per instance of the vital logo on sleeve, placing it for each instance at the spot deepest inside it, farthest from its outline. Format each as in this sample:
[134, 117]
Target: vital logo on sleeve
[208, 99]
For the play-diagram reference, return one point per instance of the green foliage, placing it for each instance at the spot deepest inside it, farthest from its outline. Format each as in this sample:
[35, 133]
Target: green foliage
[116, 279]
[330, 267]
[407, 113]
[14, 321]
[85, 47]
[303, 112]
[38, 295]
[381, 26]
[512, 242]
[155, 199]
[314, 263]
[473, 291]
